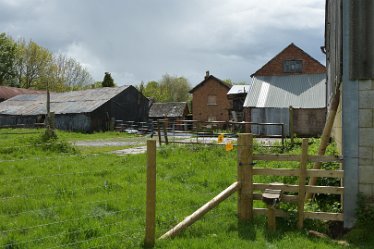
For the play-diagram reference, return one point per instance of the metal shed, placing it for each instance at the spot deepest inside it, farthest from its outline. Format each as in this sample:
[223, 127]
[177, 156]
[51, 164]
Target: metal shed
[270, 97]
[88, 110]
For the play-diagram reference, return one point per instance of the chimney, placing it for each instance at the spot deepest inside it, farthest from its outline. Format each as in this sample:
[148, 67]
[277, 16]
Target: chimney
[206, 74]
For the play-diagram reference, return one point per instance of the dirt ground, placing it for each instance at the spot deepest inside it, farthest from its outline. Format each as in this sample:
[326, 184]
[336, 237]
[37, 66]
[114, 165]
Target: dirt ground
[137, 145]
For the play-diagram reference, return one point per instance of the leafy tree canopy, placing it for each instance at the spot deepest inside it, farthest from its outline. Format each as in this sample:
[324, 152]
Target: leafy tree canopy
[108, 80]
[168, 89]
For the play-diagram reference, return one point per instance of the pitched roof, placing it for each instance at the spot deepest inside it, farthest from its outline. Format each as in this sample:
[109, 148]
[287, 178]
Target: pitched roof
[172, 110]
[292, 47]
[209, 78]
[299, 91]
[61, 103]
[238, 89]
[7, 92]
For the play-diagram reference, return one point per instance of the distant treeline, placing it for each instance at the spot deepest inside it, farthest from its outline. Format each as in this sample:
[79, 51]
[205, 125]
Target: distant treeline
[28, 65]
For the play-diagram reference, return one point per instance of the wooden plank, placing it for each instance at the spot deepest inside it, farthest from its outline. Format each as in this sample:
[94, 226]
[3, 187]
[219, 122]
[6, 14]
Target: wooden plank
[189, 220]
[325, 173]
[296, 158]
[284, 198]
[276, 157]
[245, 198]
[150, 227]
[307, 215]
[295, 172]
[325, 190]
[302, 179]
[275, 172]
[324, 216]
[281, 186]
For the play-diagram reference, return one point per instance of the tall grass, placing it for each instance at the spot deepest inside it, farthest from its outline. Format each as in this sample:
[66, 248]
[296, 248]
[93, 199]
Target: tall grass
[55, 196]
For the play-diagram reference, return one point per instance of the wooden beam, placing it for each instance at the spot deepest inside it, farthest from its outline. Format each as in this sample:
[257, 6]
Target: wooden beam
[296, 158]
[245, 198]
[302, 188]
[149, 240]
[189, 220]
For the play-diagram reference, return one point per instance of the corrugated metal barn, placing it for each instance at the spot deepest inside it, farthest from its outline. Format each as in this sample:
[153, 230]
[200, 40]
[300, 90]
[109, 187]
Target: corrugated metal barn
[87, 111]
[270, 97]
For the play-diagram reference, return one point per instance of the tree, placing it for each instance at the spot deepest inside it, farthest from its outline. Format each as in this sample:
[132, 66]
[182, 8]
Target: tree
[169, 89]
[7, 60]
[70, 73]
[108, 80]
[174, 89]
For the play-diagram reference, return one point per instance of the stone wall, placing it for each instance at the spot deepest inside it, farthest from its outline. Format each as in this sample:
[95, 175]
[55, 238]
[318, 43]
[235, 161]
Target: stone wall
[366, 137]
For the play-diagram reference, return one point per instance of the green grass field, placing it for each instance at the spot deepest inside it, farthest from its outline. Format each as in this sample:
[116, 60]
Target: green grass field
[58, 196]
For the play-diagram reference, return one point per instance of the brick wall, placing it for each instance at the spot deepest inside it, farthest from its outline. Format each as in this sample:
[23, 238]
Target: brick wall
[366, 137]
[292, 52]
[200, 108]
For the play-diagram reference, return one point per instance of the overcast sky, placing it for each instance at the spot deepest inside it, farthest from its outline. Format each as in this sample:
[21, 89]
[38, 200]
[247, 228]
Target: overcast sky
[141, 40]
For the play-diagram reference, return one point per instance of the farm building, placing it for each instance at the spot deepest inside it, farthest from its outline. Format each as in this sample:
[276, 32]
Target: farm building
[209, 100]
[236, 96]
[87, 111]
[291, 78]
[172, 111]
[7, 92]
[349, 46]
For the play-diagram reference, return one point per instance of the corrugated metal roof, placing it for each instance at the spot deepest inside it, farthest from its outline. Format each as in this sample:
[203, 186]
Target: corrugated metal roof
[61, 103]
[299, 91]
[238, 89]
[7, 92]
[172, 110]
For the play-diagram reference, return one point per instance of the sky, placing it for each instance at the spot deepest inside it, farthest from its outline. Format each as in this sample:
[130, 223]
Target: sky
[142, 40]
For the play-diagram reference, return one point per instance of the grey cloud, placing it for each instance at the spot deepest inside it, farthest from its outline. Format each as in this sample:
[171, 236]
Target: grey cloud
[142, 40]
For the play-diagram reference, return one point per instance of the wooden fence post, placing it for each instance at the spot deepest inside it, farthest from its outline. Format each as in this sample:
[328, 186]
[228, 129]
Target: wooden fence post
[165, 129]
[291, 124]
[245, 192]
[159, 132]
[302, 182]
[149, 240]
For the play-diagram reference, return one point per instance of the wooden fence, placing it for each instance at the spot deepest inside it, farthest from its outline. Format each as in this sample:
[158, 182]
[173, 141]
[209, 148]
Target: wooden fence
[249, 191]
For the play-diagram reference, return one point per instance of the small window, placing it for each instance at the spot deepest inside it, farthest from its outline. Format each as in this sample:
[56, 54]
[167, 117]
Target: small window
[212, 100]
[293, 66]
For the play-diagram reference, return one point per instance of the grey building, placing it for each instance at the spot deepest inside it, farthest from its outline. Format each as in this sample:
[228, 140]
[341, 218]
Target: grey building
[269, 98]
[349, 47]
[86, 111]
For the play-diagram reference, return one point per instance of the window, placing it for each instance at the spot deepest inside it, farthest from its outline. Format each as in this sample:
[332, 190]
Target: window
[293, 66]
[212, 100]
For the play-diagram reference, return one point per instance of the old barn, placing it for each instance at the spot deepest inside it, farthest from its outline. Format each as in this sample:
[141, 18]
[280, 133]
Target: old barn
[86, 111]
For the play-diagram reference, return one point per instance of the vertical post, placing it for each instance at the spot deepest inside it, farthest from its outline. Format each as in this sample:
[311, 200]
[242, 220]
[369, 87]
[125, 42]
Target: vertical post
[150, 221]
[290, 125]
[245, 198]
[165, 125]
[159, 132]
[271, 218]
[302, 182]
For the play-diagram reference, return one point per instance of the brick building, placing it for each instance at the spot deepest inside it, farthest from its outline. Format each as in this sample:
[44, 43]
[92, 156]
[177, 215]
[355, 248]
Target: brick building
[290, 61]
[209, 100]
[290, 79]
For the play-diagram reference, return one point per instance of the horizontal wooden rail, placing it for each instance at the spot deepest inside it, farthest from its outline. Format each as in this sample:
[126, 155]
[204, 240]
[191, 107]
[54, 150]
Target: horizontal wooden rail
[284, 198]
[307, 215]
[295, 188]
[295, 158]
[296, 172]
